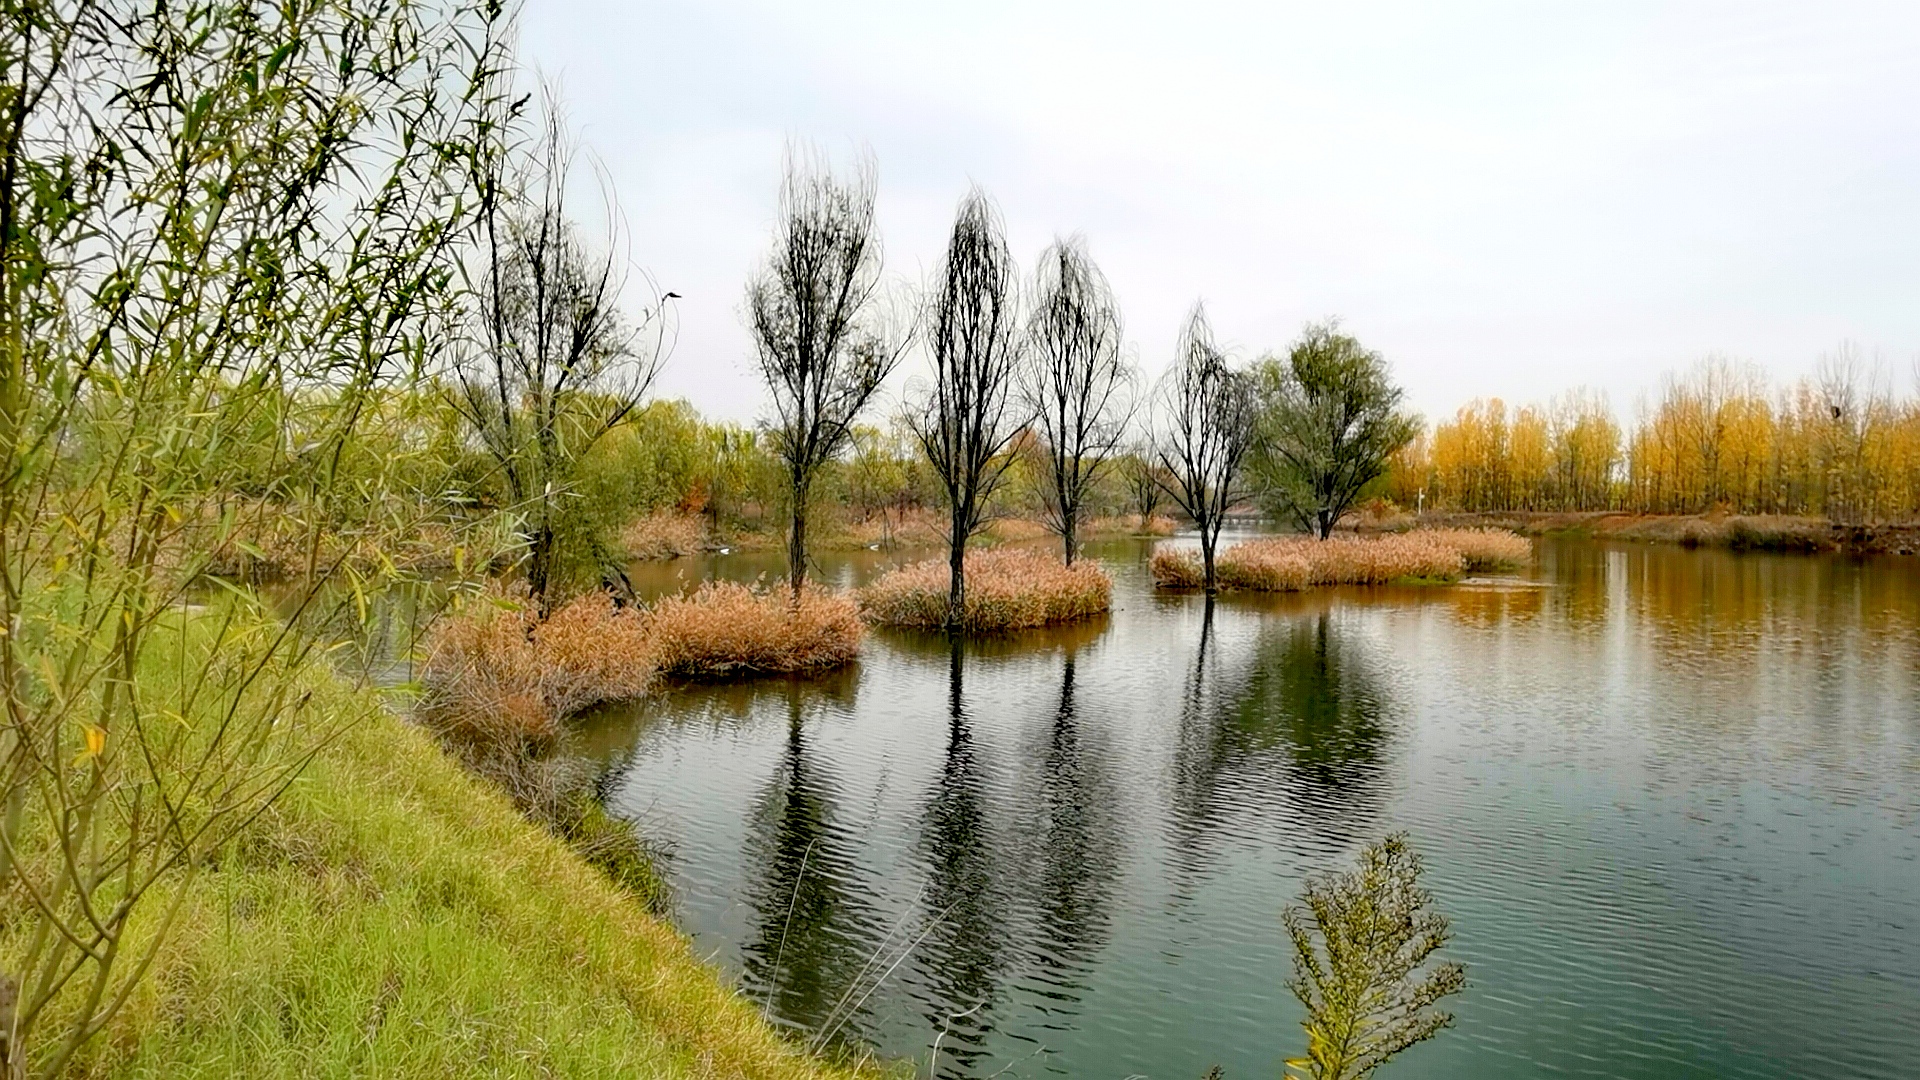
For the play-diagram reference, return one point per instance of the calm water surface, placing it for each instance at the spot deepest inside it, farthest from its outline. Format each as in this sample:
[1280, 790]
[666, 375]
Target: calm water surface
[1670, 798]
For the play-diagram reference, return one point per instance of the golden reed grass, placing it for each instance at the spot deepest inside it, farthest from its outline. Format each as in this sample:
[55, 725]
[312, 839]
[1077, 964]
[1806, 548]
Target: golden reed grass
[499, 680]
[726, 629]
[663, 534]
[1006, 589]
[1286, 564]
[496, 677]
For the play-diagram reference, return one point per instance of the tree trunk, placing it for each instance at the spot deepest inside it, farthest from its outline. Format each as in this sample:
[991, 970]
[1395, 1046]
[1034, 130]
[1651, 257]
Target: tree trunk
[1067, 538]
[540, 566]
[797, 550]
[957, 587]
[1325, 523]
[1208, 539]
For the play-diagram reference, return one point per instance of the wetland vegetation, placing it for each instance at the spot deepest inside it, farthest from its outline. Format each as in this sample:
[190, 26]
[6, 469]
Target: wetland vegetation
[303, 330]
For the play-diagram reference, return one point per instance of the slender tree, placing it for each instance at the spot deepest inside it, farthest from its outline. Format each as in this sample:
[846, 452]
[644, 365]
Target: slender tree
[1329, 422]
[1145, 479]
[228, 235]
[969, 414]
[555, 364]
[1206, 435]
[1076, 383]
[813, 310]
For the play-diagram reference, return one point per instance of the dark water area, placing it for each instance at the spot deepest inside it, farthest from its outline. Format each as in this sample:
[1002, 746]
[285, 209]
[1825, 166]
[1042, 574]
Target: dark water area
[1670, 798]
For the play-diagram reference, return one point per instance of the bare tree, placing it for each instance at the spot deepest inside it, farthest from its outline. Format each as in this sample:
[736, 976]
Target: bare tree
[813, 312]
[968, 415]
[1076, 384]
[1141, 470]
[1207, 433]
[556, 365]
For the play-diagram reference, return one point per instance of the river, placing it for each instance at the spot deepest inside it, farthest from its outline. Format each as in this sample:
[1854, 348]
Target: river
[1669, 798]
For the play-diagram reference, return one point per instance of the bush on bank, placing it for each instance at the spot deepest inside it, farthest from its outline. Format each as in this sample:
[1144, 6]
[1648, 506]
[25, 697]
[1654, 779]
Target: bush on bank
[1287, 564]
[1006, 589]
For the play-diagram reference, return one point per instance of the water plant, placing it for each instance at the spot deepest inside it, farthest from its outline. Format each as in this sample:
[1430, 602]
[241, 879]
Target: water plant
[1362, 939]
[1289, 564]
[1007, 589]
[727, 629]
[663, 534]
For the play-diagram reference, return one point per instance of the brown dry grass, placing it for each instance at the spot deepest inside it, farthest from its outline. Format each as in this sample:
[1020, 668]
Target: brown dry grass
[498, 680]
[663, 534]
[728, 629]
[1006, 589]
[1285, 564]
[1484, 549]
[1130, 525]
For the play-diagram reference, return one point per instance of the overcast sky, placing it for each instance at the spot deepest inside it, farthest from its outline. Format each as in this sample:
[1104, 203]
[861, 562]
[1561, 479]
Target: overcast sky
[1507, 199]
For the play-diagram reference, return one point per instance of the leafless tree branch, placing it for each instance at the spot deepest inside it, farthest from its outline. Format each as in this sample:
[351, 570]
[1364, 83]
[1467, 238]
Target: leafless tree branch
[1076, 383]
[969, 414]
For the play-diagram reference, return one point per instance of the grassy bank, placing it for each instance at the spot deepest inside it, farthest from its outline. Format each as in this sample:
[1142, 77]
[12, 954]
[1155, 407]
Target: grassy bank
[391, 916]
[1751, 532]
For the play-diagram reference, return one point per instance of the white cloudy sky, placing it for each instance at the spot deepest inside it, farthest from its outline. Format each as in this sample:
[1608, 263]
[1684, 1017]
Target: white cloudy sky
[1506, 198]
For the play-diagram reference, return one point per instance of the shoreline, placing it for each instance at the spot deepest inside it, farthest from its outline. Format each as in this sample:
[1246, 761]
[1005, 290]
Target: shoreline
[1740, 532]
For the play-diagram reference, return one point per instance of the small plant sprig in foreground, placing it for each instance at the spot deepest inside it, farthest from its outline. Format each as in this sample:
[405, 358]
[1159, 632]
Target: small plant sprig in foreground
[1361, 943]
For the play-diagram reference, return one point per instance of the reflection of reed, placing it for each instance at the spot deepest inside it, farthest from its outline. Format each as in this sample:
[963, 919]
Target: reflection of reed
[1067, 636]
[964, 952]
[613, 733]
[815, 927]
[1491, 606]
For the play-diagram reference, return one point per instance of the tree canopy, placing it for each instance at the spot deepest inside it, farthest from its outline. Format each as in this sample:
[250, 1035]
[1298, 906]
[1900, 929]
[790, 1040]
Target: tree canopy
[1328, 421]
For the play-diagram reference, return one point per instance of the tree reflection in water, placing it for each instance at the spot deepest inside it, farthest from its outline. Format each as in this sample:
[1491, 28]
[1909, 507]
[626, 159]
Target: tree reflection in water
[1077, 851]
[964, 950]
[1301, 727]
[815, 924]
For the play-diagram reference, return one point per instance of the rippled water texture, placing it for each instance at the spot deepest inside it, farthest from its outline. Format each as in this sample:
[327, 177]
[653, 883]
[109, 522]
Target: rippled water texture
[1671, 800]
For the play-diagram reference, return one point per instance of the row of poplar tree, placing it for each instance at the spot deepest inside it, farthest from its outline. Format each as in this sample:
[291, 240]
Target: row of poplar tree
[1839, 444]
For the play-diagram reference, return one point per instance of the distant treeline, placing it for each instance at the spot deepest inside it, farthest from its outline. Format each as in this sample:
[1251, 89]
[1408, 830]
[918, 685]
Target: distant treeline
[1839, 444]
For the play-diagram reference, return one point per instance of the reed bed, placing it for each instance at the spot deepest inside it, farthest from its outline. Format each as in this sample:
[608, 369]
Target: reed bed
[726, 629]
[1130, 525]
[1484, 549]
[663, 534]
[500, 681]
[1006, 589]
[1288, 564]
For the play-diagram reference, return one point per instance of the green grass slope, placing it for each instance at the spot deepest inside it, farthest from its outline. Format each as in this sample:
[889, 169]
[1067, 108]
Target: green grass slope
[392, 917]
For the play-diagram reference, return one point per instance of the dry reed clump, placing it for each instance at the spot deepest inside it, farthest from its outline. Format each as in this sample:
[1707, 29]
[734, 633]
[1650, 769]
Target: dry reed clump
[1259, 566]
[1484, 549]
[663, 534]
[1006, 589]
[726, 628]
[1287, 564]
[1157, 525]
[502, 681]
